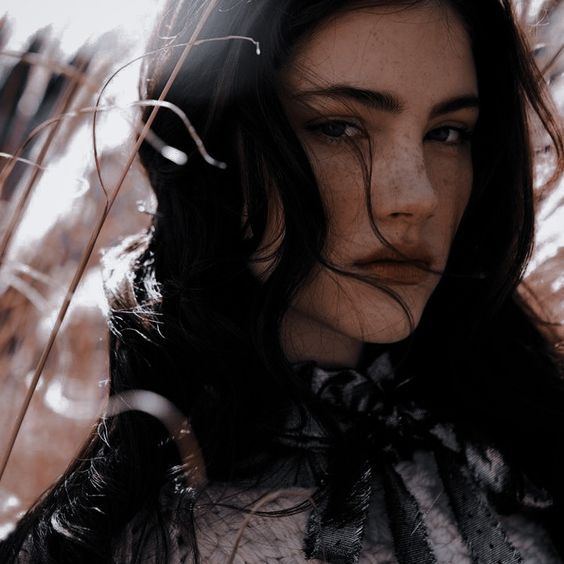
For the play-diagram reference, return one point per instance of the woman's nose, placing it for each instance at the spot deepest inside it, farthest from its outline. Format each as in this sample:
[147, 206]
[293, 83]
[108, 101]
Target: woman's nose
[401, 187]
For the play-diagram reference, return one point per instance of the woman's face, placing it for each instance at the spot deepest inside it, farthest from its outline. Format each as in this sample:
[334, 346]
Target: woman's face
[400, 84]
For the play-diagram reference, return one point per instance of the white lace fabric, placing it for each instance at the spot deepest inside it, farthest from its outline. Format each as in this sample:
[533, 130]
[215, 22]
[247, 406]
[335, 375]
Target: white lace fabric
[227, 534]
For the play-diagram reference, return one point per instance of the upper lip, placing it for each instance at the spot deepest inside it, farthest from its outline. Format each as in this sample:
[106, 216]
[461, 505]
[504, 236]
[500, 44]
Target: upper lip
[414, 255]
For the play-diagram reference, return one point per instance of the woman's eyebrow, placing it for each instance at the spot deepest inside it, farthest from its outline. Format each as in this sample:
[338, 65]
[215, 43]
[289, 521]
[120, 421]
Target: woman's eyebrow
[454, 104]
[387, 101]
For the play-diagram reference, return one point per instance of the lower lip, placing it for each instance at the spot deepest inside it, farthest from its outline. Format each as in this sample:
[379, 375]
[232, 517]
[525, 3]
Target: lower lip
[394, 273]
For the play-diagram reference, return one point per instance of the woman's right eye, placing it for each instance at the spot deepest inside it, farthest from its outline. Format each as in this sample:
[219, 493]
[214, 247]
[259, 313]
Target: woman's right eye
[335, 130]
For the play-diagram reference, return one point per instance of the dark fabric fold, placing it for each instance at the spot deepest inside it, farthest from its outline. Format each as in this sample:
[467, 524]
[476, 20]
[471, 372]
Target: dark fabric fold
[480, 528]
[406, 521]
[335, 529]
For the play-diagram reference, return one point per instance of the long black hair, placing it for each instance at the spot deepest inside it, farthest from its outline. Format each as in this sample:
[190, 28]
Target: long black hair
[191, 322]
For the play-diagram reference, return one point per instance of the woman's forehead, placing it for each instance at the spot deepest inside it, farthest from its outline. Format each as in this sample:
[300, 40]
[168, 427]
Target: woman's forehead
[422, 51]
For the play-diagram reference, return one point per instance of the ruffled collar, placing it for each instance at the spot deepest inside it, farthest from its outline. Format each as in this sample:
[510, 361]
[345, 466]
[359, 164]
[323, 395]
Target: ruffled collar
[377, 420]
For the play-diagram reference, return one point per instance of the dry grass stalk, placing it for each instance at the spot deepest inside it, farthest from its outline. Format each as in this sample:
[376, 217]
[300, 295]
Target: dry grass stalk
[91, 243]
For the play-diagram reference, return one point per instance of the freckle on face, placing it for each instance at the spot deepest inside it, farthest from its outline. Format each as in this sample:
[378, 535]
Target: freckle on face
[419, 184]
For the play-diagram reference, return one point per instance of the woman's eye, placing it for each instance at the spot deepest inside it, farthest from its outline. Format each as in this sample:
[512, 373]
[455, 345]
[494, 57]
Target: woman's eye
[335, 130]
[450, 135]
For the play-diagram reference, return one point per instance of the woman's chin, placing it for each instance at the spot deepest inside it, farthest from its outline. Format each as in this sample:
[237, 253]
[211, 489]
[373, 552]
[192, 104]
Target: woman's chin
[388, 335]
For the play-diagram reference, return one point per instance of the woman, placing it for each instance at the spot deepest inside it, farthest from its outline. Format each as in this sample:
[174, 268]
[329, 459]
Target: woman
[336, 309]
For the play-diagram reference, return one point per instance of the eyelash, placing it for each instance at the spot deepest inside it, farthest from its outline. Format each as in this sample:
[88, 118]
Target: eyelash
[465, 134]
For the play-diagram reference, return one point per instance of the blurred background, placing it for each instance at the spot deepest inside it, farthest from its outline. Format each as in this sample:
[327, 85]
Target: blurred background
[55, 60]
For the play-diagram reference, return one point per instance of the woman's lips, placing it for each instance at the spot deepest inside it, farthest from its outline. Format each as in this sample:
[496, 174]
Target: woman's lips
[395, 272]
[400, 264]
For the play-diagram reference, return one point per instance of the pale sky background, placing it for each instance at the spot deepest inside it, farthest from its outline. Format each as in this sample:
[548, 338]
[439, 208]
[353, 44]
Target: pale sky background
[77, 20]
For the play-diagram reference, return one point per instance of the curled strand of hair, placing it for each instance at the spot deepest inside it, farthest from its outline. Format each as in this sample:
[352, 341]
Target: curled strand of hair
[182, 115]
[265, 500]
[176, 423]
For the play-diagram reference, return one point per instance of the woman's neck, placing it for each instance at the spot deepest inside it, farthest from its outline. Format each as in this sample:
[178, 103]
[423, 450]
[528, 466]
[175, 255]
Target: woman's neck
[305, 339]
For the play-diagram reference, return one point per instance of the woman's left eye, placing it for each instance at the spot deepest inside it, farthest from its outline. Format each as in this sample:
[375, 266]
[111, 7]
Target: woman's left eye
[450, 135]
